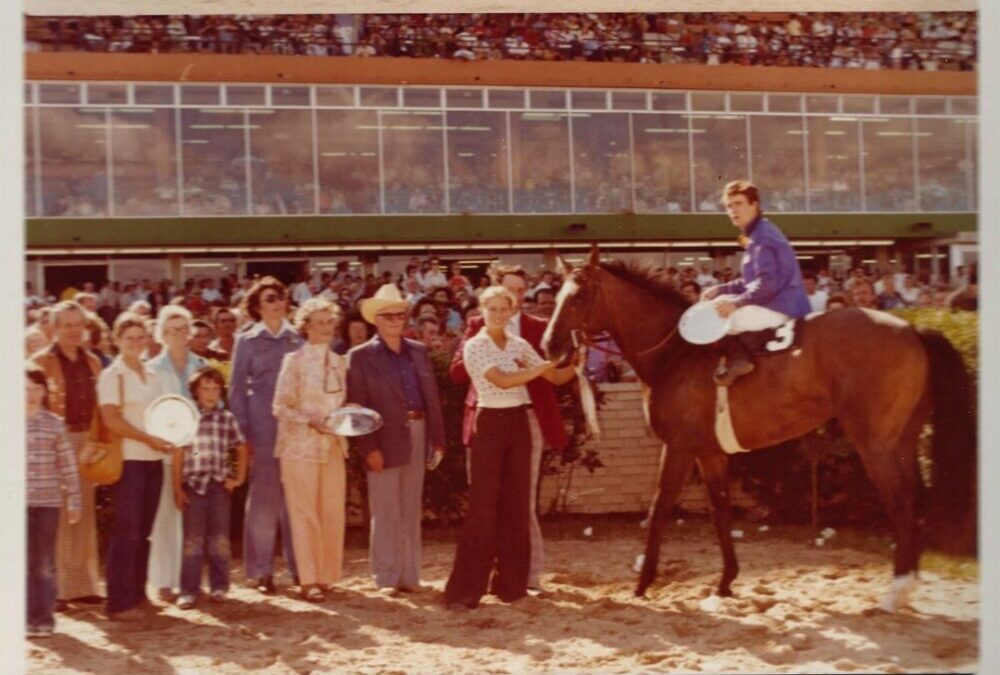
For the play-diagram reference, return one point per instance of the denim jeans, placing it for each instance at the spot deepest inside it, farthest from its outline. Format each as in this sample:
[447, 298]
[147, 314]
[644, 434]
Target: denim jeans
[43, 523]
[206, 535]
[135, 497]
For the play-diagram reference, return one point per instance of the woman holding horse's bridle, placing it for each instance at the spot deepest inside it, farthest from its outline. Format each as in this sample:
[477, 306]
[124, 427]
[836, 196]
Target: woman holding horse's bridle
[770, 290]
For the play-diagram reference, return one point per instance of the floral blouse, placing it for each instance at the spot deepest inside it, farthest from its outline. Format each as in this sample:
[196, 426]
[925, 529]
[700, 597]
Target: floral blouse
[312, 381]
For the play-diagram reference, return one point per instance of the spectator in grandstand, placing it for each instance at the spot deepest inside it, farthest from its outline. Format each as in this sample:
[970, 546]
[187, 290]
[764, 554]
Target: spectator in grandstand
[86, 300]
[395, 377]
[890, 298]
[428, 331]
[354, 331]
[925, 298]
[909, 289]
[433, 276]
[817, 298]
[837, 301]
[225, 322]
[98, 340]
[967, 297]
[691, 290]
[257, 357]
[72, 373]
[201, 339]
[175, 365]
[863, 294]
[124, 391]
[311, 385]
[458, 280]
[34, 341]
[705, 277]
[545, 302]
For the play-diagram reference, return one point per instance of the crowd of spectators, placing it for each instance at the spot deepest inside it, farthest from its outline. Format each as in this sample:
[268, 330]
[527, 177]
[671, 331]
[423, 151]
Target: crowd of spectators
[863, 40]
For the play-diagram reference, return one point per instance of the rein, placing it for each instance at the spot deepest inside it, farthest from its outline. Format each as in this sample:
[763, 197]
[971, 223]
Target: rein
[581, 337]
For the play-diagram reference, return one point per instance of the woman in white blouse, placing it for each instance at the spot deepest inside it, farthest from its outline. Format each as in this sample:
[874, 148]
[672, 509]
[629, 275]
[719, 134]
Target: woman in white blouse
[310, 386]
[494, 550]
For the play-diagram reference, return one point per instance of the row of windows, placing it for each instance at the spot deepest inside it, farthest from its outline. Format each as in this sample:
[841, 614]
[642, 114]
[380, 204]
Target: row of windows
[115, 161]
[353, 96]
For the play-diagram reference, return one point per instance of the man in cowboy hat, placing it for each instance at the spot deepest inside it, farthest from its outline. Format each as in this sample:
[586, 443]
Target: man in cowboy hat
[393, 376]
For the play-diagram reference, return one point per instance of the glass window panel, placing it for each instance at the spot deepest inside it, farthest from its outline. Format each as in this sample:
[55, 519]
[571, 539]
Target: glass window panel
[506, 98]
[29, 93]
[628, 100]
[778, 161]
[29, 162]
[720, 156]
[784, 103]
[834, 184]
[290, 96]
[930, 106]
[943, 165]
[894, 105]
[281, 167]
[477, 162]
[348, 161]
[379, 97]
[543, 98]
[414, 162]
[335, 96]
[601, 164]
[421, 98]
[589, 99]
[708, 101]
[59, 93]
[200, 95]
[144, 161]
[245, 95]
[671, 101]
[463, 98]
[213, 153]
[821, 104]
[888, 155]
[540, 145]
[858, 104]
[746, 102]
[153, 94]
[662, 163]
[107, 93]
[74, 166]
[964, 105]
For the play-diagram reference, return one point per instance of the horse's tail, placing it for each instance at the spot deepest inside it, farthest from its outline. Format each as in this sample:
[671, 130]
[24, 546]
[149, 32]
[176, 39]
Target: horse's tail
[952, 515]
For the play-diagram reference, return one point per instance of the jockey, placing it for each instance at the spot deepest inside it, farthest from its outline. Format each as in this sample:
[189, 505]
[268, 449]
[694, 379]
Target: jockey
[770, 290]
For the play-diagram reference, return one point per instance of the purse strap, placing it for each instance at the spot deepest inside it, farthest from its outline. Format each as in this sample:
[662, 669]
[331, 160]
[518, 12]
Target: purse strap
[99, 431]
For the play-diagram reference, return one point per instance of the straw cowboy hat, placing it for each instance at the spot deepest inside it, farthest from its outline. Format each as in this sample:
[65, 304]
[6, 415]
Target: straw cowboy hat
[386, 297]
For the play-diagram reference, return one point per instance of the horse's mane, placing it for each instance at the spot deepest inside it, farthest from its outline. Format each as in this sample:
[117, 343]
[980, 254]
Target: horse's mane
[647, 277]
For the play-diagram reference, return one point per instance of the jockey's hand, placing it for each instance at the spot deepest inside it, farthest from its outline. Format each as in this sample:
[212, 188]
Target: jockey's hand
[709, 293]
[725, 308]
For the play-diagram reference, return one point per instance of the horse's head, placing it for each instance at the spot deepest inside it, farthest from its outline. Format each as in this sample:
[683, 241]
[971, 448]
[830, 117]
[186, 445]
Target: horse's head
[577, 309]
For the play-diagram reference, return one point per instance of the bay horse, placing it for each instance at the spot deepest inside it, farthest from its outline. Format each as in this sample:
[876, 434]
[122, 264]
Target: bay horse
[880, 377]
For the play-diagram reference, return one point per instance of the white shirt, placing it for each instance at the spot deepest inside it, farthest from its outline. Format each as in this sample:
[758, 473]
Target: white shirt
[301, 293]
[433, 280]
[481, 353]
[211, 294]
[818, 301]
[138, 396]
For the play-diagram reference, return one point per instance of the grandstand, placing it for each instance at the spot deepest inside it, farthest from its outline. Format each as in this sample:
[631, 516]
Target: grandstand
[168, 146]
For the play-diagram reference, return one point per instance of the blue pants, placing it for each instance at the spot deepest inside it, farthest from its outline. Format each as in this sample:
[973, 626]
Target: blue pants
[43, 523]
[266, 515]
[206, 535]
[135, 497]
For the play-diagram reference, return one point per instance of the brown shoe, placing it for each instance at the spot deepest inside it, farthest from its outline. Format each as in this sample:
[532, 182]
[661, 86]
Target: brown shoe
[725, 374]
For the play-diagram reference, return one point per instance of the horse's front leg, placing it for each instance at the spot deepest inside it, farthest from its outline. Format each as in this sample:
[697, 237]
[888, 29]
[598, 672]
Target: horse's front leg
[714, 470]
[676, 467]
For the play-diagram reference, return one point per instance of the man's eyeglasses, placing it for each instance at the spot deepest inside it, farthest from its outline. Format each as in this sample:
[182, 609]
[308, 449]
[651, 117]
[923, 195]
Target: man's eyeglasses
[393, 316]
[274, 297]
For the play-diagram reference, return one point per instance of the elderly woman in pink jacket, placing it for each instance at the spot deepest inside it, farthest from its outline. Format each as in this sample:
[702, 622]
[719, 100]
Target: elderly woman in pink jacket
[310, 386]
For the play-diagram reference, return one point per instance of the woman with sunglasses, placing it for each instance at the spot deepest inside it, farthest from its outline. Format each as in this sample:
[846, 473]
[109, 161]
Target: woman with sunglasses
[257, 357]
[310, 386]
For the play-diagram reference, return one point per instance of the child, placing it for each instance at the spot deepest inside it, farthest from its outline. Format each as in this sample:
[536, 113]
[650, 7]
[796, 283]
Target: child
[52, 478]
[203, 481]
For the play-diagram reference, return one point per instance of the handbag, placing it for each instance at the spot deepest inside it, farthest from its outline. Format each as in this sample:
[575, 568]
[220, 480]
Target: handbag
[101, 461]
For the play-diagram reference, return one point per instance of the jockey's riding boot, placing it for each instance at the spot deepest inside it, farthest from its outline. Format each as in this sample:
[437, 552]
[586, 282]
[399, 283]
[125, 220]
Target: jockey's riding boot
[737, 361]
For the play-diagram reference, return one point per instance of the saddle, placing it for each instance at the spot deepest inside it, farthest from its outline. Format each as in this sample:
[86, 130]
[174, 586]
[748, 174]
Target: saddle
[771, 341]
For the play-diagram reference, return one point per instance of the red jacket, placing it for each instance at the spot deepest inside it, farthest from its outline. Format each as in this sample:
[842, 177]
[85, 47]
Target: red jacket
[543, 394]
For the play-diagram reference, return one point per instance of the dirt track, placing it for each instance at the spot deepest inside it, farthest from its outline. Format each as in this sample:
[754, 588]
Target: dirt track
[798, 608]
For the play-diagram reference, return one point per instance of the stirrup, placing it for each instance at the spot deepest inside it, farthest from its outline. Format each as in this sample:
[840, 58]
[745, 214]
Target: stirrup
[727, 373]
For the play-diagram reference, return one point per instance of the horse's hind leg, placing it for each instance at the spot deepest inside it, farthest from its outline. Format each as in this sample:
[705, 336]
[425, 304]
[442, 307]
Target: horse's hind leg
[676, 467]
[715, 472]
[893, 470]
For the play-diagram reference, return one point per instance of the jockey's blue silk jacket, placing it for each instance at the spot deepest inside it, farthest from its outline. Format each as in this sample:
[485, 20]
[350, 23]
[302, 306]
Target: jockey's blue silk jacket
[770, 273]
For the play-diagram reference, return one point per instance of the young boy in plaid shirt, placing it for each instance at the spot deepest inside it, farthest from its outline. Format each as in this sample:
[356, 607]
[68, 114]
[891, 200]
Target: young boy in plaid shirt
[203, 483]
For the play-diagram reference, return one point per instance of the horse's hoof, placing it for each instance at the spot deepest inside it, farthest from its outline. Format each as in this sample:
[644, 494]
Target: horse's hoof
[899, 593]
[725, 592]
[640, 592]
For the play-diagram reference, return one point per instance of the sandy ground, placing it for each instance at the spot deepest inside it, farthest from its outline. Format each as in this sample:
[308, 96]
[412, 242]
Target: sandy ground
[797, 608]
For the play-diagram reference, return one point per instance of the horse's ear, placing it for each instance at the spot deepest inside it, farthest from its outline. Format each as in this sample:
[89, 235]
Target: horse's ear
[563, 268]
[594, 259]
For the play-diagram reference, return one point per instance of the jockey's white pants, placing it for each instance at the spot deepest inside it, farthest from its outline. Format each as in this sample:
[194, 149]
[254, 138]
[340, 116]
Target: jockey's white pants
[752, 318]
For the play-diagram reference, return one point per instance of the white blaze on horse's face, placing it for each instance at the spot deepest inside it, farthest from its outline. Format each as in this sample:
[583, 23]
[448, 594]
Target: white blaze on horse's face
[569, 288]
